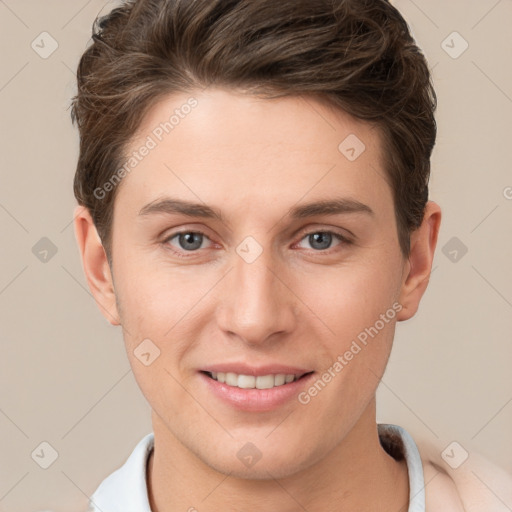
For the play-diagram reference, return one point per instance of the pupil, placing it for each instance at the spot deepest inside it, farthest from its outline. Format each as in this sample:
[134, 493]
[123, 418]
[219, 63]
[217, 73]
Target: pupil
[189, 239]
[323, 238]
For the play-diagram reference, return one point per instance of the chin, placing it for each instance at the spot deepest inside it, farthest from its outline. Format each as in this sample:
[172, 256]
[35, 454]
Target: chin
[249, 463]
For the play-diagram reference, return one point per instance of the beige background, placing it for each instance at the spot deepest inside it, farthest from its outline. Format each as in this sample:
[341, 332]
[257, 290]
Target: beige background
[64, 376]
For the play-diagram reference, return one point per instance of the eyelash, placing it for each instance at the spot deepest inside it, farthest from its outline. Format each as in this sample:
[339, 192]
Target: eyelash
[344, 240]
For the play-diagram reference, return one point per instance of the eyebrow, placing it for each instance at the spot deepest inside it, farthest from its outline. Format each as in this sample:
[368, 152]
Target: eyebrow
[334, 206]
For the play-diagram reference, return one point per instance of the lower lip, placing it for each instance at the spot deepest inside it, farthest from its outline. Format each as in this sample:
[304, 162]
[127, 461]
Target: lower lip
[256, 400]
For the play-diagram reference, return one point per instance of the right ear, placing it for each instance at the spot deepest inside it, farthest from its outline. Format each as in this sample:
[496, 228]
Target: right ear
[95, 264]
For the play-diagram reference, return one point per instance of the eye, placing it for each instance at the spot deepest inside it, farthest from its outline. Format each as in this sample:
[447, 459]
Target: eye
[322, 240]
[187, 241]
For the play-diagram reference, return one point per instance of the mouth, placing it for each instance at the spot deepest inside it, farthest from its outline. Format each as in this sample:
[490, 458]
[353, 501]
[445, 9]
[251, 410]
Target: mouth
[269, 381]
[255, 389]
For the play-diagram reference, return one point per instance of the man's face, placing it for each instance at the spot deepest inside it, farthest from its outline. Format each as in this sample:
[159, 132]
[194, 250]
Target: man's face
[259, 291]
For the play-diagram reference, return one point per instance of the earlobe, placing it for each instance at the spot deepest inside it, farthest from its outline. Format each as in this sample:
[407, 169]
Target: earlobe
[419, 265]
[95, 264]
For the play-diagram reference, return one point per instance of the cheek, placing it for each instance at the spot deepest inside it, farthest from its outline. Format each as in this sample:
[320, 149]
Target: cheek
[152, 297]
[157, 328]
[358, 305]
[165, 305]
[350, 299]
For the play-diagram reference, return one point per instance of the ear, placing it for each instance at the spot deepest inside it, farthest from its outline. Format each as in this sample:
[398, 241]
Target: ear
[95, 264]
[417, 269]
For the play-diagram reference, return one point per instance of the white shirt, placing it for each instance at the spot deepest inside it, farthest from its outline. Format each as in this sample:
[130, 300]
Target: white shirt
[125, 490]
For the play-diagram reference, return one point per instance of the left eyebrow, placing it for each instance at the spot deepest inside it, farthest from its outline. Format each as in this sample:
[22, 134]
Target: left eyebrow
[330, 207]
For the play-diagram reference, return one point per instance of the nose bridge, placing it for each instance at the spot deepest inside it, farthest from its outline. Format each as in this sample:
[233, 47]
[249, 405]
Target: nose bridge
[256, 303]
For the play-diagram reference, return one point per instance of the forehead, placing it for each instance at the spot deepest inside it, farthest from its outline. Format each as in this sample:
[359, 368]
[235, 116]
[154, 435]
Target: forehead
[207, 144]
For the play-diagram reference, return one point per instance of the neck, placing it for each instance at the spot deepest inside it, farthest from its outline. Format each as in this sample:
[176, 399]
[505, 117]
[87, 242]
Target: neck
[357, 474]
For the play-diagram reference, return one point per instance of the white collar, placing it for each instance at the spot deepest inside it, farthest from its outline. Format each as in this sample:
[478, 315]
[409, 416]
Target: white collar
[125, 490]
[414, 464]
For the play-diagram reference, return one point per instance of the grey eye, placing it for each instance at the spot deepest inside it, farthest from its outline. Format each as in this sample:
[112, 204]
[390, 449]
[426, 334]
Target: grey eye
[189, 240]
[320, 240]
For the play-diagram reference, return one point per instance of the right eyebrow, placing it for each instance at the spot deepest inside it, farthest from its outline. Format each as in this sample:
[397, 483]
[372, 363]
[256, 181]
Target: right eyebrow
[170, 205]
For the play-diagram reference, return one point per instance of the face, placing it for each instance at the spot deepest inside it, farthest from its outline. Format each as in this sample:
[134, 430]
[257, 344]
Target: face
[254, 282]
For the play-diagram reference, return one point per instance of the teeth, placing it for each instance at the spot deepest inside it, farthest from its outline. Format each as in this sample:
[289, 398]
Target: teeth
[252, 382]
[279, 379]
[231, 379]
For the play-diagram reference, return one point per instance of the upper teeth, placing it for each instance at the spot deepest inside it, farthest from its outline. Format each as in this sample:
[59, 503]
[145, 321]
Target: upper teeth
[250, 381]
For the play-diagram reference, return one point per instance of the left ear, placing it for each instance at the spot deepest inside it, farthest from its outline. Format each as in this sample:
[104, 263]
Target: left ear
[419, 265]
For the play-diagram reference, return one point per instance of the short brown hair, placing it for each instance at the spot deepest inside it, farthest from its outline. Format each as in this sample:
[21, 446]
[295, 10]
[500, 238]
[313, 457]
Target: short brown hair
[356, 55]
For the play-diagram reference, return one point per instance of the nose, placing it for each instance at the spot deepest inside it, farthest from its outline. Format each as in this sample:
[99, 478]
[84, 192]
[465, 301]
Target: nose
[257, 305]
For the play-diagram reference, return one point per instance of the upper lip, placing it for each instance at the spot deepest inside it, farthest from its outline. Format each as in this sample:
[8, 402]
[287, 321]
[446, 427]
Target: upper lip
[256, 371]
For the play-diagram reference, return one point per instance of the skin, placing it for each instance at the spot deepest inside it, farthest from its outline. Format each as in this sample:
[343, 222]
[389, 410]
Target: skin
[296, 304]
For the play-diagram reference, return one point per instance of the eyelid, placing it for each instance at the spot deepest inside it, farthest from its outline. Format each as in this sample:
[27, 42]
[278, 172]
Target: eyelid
[169, 233]
[341, 231]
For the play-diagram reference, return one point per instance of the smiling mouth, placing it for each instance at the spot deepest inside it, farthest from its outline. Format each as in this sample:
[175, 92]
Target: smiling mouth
[255, 382]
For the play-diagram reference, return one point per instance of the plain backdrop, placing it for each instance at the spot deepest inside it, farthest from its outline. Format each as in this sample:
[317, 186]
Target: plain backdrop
[64, 376]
